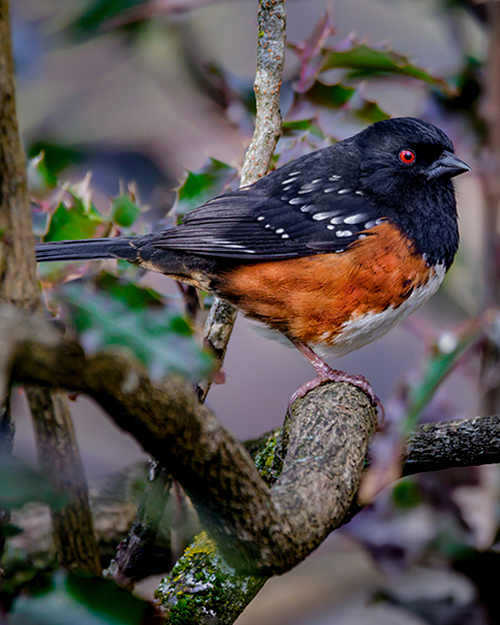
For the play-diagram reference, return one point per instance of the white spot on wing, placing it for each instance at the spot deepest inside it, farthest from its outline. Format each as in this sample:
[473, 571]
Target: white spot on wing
[334, 178]
[261, 218]
[354, 219]
[373, 222]
[309, 186]
[343, 233]
[321, 216]
[280, 231]
[342, 191]
[296, 200]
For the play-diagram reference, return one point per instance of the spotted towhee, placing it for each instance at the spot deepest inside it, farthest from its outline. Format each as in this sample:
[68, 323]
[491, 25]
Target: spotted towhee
[334, 248]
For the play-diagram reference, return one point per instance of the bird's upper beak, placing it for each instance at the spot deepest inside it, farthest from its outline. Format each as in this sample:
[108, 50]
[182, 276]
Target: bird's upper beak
[447, 166]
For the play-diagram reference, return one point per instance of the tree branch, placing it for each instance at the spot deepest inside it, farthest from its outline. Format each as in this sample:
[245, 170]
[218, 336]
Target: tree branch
[19, 286]
[257, 529]
[457, 443]
[270, 62]
[260, 530]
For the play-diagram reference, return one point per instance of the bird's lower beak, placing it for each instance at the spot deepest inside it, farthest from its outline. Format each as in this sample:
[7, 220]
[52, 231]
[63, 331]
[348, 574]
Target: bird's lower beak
[447, 166]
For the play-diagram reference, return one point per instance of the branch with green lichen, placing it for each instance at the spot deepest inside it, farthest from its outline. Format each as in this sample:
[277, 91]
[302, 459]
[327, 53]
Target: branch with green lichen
[259, 530]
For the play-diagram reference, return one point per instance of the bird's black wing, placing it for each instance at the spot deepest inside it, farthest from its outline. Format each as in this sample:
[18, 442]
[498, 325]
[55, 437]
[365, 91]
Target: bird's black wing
[311, 205]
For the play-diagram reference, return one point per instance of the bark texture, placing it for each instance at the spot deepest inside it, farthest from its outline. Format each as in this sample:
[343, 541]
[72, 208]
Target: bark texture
[19, 286]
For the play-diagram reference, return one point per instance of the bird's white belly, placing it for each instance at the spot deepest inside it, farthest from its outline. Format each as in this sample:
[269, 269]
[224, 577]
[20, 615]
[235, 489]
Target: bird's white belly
[363, 329]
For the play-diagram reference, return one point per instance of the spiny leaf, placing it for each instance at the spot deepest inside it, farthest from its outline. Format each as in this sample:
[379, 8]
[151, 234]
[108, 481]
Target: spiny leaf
[131, 294]
[298, 124]
[365, 61]
[73, 222]
[124, 211]
[98, 12]
[41, 181]
[370, 112]
[331, 96]
[204, 184]
[56, 156]
[76, 217]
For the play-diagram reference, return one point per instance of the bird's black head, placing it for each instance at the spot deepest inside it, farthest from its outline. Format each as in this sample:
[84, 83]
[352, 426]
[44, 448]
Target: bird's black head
[406, 167]
[403, 154]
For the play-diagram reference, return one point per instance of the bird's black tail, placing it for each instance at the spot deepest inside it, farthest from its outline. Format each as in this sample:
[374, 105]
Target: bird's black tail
[88, 249]
[139, 250]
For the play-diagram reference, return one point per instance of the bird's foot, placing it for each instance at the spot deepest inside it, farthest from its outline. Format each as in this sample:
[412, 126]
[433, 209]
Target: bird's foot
[327, 374]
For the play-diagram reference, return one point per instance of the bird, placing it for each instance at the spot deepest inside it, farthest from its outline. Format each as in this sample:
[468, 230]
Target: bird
[332, 249]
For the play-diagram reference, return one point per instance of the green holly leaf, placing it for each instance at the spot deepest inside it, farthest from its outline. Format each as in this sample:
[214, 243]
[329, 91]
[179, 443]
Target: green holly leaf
[76, 216]
[370, 112]
[440, 364]
[73, 222]
[161, 339]
[204, 184]
[124, 211]
[298, 125]
[41, 180]
[365, 61]
[406, 494]
[97, 12]
[330, 96]
[130, 294]
[57, 157]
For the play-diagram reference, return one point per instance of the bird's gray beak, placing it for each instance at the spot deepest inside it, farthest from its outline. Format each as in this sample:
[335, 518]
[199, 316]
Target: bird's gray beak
[447, 166]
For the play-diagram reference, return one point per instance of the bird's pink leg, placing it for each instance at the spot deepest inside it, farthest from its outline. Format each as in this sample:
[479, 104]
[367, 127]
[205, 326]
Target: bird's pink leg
[327, 374]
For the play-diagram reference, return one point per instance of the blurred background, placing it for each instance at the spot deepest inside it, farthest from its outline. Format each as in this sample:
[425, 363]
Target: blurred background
[144, 92]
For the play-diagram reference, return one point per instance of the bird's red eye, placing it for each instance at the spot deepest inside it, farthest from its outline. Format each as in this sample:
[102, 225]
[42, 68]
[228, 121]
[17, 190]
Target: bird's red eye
[407, 156]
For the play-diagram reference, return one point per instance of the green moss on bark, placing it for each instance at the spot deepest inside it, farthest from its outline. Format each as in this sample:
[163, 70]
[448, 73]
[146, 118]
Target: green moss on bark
[202, 587]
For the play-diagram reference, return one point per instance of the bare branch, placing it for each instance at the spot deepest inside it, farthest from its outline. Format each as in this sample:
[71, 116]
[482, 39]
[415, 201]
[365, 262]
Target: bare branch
[270, 62]
[490, 178]
[60, 462]
[457, 443]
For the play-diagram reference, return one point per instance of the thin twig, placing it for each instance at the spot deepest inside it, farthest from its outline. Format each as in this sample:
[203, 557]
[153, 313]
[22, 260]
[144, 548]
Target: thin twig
[270, 63]
[490, 178]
